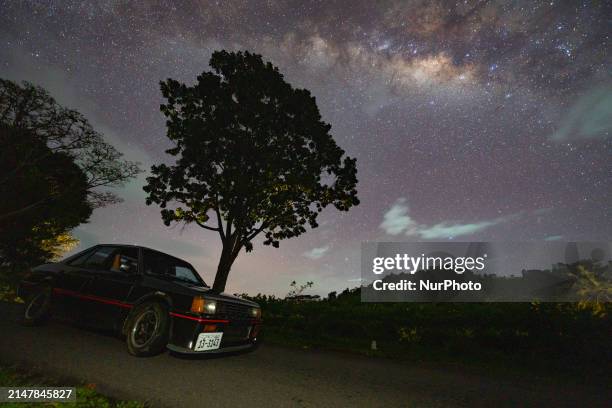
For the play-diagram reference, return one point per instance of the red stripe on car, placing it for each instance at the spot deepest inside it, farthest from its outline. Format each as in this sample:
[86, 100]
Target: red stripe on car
[107, 301]
[198, 319]
[66, 292]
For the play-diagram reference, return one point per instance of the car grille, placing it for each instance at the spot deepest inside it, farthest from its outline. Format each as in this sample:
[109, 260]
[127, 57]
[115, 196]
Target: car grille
[236, 333]
[234, 311]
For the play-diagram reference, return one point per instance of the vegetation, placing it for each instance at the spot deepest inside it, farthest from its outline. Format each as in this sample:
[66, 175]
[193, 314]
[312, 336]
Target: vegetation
[574, 337]
[590, 287]
[86, 394]
[252, 153]
[53, 165]
[297, 290]
[253, 156]
[53, 187]
[32, 109]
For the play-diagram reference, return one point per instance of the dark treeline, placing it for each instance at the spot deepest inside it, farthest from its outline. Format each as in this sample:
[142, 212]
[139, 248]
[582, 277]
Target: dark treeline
[54, 168]
[564, 338]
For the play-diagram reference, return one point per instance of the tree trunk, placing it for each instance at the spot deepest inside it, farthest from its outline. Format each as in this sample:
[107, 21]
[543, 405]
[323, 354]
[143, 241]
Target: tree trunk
[221, 277]
[228, 256]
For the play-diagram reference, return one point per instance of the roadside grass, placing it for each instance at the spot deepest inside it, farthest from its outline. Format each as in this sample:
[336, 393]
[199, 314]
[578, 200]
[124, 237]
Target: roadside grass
[87, 396]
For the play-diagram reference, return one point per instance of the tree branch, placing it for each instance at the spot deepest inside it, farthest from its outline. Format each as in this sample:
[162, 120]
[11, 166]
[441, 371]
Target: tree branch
[207, 226]
[228, 228]
[236, 246]
[219, 219]
[257, 231]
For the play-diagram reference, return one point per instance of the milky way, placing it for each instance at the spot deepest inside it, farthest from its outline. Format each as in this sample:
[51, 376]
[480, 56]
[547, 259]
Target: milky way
[470, 121]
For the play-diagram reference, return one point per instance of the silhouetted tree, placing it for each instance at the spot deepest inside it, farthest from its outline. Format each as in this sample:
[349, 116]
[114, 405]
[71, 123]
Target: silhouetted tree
[53, 165]
[30, 108]
[296, 290]
[52, 189]
[252, 153]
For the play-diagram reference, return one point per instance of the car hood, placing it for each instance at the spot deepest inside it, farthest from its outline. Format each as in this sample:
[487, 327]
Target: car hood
[206, 291]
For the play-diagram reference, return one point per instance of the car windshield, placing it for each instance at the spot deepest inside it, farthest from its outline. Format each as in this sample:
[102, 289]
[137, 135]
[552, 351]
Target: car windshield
[156, 263]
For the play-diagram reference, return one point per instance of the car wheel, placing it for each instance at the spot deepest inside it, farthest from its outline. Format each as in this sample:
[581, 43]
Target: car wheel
[147, 329]
[37, 307]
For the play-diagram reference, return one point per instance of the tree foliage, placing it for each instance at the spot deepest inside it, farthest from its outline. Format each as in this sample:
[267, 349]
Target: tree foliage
[30, 108]
[252, 153]
[53, 191]
[53, 168]
[296, 290]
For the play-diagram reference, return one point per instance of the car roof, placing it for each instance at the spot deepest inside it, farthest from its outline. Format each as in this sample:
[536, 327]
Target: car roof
[68, 259]
[126, 246]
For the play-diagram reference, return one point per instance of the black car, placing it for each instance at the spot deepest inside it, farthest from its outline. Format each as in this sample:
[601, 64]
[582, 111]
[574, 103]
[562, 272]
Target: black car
[156, 300]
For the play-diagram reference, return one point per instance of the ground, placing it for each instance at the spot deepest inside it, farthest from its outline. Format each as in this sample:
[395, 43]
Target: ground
[271, 376]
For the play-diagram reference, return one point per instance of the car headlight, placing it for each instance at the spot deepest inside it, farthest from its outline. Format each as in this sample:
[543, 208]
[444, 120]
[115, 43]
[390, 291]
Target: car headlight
[255, 312]
[210, 307]
[202, 305]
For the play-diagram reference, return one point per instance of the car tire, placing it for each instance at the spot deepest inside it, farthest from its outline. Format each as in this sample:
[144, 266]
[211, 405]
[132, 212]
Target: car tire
[147, 329]
[37, 307]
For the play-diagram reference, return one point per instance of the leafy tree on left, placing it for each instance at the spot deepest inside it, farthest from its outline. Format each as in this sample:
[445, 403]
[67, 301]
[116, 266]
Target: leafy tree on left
[30, 108]
[52, 167]
[57, 187]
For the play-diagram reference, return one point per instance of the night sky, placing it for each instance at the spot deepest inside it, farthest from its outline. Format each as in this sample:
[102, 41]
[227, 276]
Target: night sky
[476, 120]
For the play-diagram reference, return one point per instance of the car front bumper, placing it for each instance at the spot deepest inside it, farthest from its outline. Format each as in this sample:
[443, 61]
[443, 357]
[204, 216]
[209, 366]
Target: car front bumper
[230, 349]
[238, 335]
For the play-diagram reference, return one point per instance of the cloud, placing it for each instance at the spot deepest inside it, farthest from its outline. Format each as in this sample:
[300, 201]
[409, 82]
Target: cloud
[590, 117]
[553, 238]
[447, 230]
[316, 253]
[397, 221]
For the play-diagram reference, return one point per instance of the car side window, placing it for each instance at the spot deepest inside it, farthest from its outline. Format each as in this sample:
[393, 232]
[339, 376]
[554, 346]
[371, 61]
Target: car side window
[101, 259]
[155, 263]
[109, 258]
[125, 260]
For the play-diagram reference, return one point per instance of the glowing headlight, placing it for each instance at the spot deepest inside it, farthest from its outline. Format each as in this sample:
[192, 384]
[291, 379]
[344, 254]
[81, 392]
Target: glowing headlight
[255, 312]
[201, 305]
[210, 307]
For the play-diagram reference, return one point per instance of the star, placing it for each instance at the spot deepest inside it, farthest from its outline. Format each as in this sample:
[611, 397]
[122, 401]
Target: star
[469, 114]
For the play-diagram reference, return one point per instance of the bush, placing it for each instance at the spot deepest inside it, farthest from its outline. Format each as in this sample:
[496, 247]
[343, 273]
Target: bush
[553, 334]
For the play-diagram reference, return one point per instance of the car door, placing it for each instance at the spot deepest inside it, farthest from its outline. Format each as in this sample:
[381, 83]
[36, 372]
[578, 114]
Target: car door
[72, 277]
[111, 284]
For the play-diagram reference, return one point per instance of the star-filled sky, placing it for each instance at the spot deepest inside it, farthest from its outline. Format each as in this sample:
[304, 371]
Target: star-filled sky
[475, 120]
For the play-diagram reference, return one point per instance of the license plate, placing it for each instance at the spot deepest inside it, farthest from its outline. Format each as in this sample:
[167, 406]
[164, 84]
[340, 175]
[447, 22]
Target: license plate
[208, 341]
